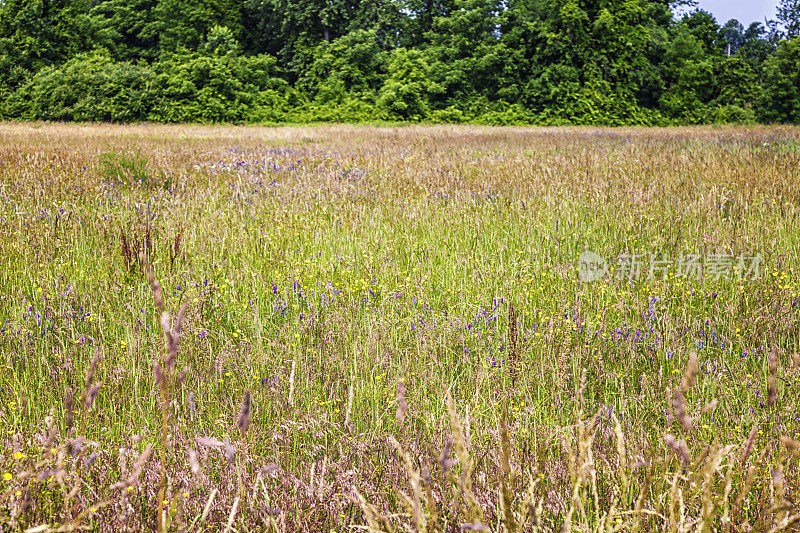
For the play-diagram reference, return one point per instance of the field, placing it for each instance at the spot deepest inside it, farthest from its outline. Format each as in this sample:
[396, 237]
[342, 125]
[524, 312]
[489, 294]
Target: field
[395, 328]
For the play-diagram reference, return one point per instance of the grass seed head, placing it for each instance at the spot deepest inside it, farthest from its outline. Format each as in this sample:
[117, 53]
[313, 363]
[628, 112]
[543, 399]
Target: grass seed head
[155, 286]
[69, 405]
[709, 407]
[402, 404]
[444, 458]
[92, 369]
[690, 375]
[230, 451]
[181, 378]
[180, 318]
[772, 380]
[791, 444]
[159, 375]
[680, 448]
[88, 400]
[194, 463]
[680, 410]
[751, 439]
[245, 414]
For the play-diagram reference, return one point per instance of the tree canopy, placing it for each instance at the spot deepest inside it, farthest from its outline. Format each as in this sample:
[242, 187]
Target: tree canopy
[493, 61]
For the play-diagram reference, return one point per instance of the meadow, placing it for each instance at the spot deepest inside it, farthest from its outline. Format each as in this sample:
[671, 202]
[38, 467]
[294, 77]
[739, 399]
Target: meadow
[341, 328]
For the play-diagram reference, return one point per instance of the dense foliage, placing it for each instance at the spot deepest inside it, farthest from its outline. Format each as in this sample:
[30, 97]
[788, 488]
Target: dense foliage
[640, 62]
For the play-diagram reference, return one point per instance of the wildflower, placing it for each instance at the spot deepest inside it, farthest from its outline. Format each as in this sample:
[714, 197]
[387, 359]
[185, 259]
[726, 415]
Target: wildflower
[7, 476]
[18, 456]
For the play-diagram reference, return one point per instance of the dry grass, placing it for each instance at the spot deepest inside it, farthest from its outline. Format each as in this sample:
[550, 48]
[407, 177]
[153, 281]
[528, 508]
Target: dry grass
[384, 328]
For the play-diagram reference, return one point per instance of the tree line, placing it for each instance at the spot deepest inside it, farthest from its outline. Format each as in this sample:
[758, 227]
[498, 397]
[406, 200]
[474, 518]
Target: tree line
[604, 62]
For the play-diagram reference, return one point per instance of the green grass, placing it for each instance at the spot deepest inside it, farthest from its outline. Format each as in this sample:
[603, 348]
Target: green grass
[333, 262]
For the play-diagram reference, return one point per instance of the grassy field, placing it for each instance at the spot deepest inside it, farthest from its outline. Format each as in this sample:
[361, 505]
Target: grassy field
[387, 327]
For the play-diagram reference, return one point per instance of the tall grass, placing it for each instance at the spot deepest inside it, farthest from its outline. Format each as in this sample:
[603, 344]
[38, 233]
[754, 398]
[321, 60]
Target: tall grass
[384, 328]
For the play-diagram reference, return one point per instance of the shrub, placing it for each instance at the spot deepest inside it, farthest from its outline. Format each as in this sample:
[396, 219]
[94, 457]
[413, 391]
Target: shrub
[449, 115]
[406, 93]
[128, 169]
[212, 88]
[733, 114]
[89, 87]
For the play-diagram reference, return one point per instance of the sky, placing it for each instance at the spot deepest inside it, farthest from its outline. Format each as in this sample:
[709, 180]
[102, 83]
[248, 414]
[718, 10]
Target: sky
[745, 11]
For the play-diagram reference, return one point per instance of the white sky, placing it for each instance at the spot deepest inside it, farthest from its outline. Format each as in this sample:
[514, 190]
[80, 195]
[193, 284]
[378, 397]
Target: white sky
[745, 11]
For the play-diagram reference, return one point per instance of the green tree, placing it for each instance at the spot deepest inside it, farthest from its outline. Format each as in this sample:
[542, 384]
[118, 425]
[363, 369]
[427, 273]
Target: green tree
[421, 15]
[688, 72]
[732, 33]
[289, 30]
[735, 91]
[123, 28]
[495, 61]
[177, 24]
[407, 91]
[220, 41]
[467, 53]
[354, 64]
[781, 91]
[598, 56]
[757, 45]
[702, 25]
[39, 33]
[789, 16]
